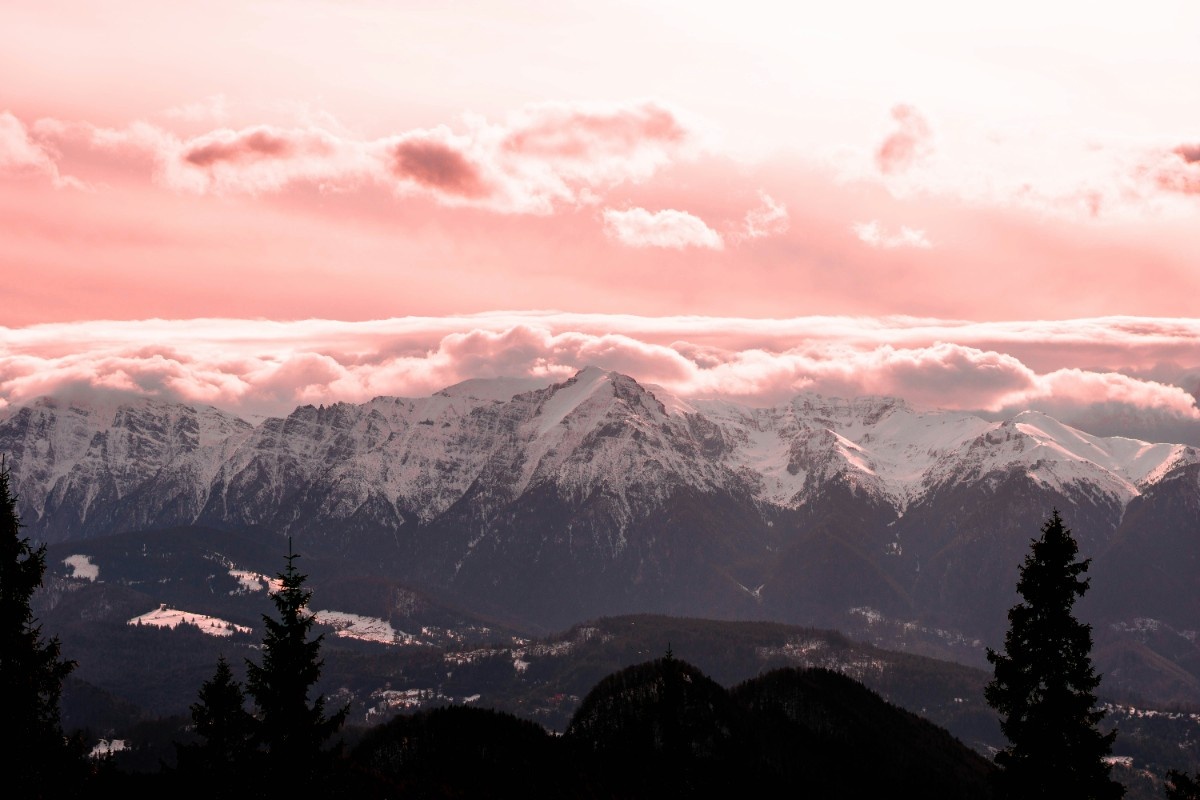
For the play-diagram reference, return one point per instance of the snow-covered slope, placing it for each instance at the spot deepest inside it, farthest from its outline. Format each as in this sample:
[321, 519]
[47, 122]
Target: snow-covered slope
[597, 495]
[896, 452]
[77, 462]
[83, 469]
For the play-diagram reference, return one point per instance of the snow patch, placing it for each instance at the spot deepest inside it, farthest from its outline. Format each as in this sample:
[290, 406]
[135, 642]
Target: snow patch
[357, 626]
[570, 396]
[82, 567]
[164, 617]
[106, 747]
[254, 582]
[675, 406]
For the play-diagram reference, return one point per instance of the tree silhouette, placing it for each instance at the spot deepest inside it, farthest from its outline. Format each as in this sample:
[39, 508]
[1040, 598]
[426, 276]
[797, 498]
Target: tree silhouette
[226, 730]
[291, 730]
[37, 761]
[1044, 681]
[1181, 786]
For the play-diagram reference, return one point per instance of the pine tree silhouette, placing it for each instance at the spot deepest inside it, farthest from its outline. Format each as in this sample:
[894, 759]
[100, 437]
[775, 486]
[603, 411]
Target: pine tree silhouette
[37, 761]
[1181, 786]
[226, 730]
[1044, 684]
[291, 730]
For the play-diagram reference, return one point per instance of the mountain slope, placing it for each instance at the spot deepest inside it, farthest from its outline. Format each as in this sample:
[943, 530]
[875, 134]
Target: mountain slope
[597, 495]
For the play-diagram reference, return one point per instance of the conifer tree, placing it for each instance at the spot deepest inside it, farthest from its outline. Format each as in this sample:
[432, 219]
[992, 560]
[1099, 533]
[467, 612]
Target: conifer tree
[291, 729]
[224, 725]
[1181, 786]
[38, 760]
[1044, 685]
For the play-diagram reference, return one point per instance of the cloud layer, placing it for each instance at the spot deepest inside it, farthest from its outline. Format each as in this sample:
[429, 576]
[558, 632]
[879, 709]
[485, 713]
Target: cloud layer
[1137, 376]
[610, 207]
[538, 158]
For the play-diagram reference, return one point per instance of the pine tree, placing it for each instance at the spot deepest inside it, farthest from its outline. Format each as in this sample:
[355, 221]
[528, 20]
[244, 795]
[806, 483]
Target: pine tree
[1044, 685]
[291, 730]
[1181, 786]
[38, 760]
[225, 728]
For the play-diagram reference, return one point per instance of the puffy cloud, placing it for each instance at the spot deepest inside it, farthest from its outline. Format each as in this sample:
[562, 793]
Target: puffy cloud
[637, 227]
[238, 146]
[262, 367]
[1180, 172]
[585, 133]
[906, 145]
[17, 152]
[1062, 386]
[253, 160]
[536, 159]
[1188, 152]
[22, 155]
[873, 234]
[260, 159]
[437, 165]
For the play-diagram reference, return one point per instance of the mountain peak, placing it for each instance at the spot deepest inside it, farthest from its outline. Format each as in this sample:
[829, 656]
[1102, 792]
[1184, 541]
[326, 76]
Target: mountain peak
[501, 389]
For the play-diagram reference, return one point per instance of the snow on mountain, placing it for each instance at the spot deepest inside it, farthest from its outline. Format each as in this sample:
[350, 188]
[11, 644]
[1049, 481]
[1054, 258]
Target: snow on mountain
[603, 430]
[82, 568]
[250, 581]
[885, 446]
[497, 389]
[363, 628]
[1063, 458]
[86, 455]
[880, 444]
[84, 467]
[164, 617]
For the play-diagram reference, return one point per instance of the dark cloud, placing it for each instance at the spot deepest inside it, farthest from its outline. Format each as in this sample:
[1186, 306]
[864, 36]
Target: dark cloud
[437, 165]
[253, 144]
[1188, 152]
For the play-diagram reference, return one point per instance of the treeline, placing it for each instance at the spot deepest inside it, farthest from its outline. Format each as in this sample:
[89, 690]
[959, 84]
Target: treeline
[661, 728]
[657, 728]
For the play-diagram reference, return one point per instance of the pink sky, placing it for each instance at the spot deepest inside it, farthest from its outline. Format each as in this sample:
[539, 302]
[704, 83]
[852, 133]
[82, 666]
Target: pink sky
[427, 181]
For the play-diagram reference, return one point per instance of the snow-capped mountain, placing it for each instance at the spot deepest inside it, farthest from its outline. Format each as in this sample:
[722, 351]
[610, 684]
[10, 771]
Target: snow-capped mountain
[600, 495]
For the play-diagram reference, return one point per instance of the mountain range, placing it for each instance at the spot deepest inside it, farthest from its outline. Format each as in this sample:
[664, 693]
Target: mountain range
[543, 505]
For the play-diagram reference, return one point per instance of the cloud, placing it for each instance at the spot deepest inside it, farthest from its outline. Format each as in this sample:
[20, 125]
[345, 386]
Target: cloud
[587, 132]
[253, 160]
[20, 154]
[1188, 152]
[871, 233]
[437, 165]
[908, 144]
[637, 227]
[996, 369]
[1177, 172]
[769, 219]
[536, 159]
[238, 146]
